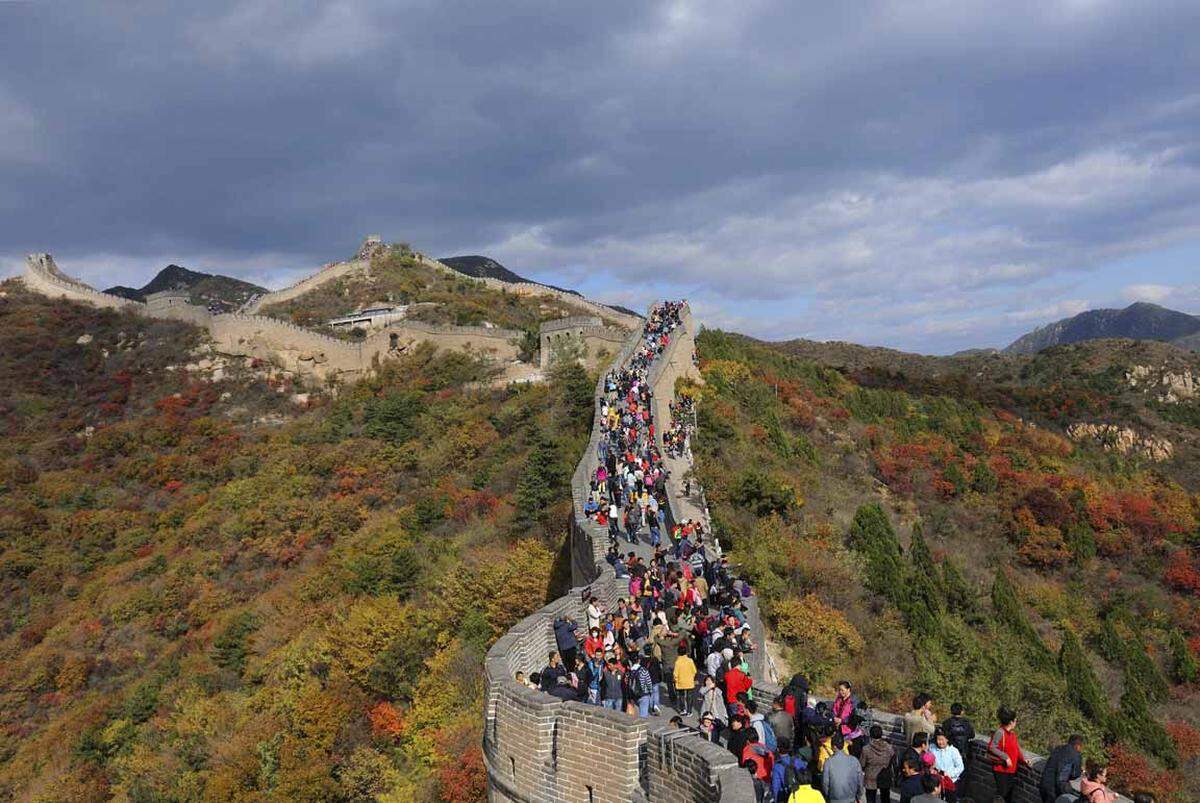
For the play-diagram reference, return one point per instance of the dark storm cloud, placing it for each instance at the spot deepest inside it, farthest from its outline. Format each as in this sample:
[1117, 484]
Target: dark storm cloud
[949, 168]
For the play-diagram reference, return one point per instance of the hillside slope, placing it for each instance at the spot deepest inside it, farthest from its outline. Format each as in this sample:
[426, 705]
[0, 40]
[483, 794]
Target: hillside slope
[939, 525]
[1138, 321]
[213, 590]
[481, 267]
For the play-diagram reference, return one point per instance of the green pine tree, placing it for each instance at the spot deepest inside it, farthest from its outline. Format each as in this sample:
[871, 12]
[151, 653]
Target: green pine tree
[1183, 664]
[871, 535]
[1083, 687]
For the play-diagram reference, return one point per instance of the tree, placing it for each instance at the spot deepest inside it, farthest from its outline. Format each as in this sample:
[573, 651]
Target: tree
[872, 536]
[572, 392]
[1082, 684]
[1009, 611]
[1183, 663]
[543, 481]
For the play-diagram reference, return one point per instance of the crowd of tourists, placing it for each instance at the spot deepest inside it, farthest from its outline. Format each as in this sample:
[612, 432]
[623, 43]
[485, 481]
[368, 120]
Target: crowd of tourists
[681, 638]
[677, 439]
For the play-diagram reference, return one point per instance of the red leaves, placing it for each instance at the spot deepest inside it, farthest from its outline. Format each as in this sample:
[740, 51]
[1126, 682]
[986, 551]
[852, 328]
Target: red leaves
[386, 721]
[1182, 573]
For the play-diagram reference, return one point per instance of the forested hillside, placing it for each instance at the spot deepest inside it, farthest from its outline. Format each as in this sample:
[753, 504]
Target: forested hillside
[229, 591]
[933, 529]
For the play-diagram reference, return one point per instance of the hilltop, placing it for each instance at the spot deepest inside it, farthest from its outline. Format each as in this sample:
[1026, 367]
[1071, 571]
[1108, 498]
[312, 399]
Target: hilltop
[481, 267]
[215, 292]
[1138, 321]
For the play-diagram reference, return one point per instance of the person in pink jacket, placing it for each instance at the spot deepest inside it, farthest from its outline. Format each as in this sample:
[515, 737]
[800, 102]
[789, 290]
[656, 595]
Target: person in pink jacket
[1094, 786]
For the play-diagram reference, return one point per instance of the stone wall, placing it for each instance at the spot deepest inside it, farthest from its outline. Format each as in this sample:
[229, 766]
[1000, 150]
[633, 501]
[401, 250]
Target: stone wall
[538, 748]
[328, 273]
[307, 353]
[595, 342]
[43, 276]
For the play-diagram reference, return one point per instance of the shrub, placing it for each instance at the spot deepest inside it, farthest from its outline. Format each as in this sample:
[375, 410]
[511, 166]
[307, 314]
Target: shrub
[764, 496]
[821, 636]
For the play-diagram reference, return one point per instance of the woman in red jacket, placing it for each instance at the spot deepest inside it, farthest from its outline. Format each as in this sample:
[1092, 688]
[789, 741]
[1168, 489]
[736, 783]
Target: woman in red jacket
[1005, 754]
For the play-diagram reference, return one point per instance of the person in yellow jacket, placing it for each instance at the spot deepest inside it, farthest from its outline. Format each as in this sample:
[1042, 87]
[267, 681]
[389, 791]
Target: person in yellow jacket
[825, 749]
[804, 792]
[685, 679]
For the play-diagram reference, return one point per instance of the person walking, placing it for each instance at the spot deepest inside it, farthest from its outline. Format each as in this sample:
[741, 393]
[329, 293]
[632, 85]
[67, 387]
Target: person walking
[685, 680]
[949, 763]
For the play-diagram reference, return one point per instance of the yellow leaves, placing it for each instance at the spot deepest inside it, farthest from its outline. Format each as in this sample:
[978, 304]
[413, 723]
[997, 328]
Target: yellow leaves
[726, 374]
[437, 697]
[358, 636]
[507, 590]
[319, 714]
[73, 674]
[822, 636]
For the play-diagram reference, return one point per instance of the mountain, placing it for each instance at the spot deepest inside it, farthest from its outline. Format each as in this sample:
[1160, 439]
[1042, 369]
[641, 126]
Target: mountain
[1139, 321]
[481, 267]
[220, 293]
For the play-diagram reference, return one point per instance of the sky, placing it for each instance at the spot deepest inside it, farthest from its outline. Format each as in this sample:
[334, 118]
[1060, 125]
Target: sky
[929, 175]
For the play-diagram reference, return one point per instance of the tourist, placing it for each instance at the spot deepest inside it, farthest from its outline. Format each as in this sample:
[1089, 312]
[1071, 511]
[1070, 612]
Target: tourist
[842, 775]
[912, 771]
[640, 685]
[552, 672]
[1004, 751]
[782, 724]
[785, 777]
[805, 792]
[1094, 786]
[844, 704]
[960, 731]
[1062, 766]
[684, 676]
[949, 764]
[876, 760]
[757, 752]
[612, 685]
[712, 701]
[929, 790]
[921, 719]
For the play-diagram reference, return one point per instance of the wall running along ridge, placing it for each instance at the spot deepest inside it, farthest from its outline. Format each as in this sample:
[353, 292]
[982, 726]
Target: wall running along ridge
[538, 748]
[313, 354]
[337, 270]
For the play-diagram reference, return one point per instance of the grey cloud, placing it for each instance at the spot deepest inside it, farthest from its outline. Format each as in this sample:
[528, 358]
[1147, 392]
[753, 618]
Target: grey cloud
[946, 152]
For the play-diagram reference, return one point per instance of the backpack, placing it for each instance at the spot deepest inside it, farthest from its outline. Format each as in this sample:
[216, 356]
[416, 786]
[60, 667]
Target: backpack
[642, 683]
[768, 734]
[791, 776]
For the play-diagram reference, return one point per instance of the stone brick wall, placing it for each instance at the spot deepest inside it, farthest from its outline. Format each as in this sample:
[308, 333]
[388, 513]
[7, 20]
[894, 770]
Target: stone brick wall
[537, 748]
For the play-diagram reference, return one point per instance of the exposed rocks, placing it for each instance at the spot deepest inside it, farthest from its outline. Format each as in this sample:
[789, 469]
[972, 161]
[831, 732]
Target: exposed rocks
[83, 340]
[1123, 440]
[1170, 386]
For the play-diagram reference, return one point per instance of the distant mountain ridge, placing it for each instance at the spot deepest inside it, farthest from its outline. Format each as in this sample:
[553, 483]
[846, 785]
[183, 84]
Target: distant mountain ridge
[220, 293]
[481, 267]
[1138, 321]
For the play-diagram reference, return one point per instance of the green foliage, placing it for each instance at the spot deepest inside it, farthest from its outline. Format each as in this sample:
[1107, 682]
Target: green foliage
[572, 390]
[983, 479]
[392, 417]
[1183, 663]
[1082, 684]
[1081, 540]
[960, 599]
[1134, 724]
[230, 648]
[543, 481]
[1010, 612]
[872, 536]
[763, 495]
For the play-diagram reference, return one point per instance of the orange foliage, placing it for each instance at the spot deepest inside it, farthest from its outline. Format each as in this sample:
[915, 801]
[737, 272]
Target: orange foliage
[386, 721]
[1181, 574]
[1186, 739]
[1130, 771]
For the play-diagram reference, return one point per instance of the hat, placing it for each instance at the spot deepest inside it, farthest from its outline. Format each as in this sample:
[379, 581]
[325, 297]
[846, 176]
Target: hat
[727, 654]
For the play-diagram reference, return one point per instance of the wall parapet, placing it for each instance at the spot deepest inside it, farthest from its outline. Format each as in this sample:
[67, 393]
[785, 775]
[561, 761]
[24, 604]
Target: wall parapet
[537, 748]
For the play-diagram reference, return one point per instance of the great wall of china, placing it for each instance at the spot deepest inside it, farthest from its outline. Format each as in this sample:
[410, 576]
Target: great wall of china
[320, 357]
[539, 749]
